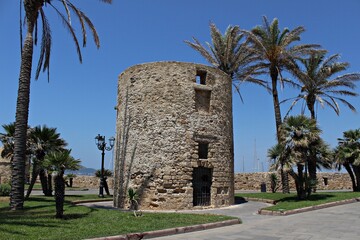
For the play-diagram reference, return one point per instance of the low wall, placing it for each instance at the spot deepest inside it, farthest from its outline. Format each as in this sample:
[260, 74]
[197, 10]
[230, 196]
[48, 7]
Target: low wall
[245, 181]
[90, 182]
[5, 167]
[252, 181]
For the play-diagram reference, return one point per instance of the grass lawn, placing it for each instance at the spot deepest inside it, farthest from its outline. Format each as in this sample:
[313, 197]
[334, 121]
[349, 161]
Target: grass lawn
[37, 186]
[289, 201]
[37, 220]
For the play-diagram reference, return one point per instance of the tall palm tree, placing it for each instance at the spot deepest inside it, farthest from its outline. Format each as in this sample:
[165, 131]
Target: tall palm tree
[59, 162]
[43, 140]
[319, 85]
[35, 10]
[228, 53]
[274, 51]
[347, 154]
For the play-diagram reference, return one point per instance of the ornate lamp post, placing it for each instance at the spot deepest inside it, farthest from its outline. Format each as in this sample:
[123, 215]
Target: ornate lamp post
[101, 144]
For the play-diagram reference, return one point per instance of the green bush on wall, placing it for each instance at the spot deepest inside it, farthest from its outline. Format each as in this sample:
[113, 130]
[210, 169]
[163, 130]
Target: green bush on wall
[5, 189]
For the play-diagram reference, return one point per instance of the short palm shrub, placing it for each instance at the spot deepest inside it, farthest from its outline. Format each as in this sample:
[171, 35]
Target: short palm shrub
[134, 204]
[107, 173]
[274, 182]
[5, 189]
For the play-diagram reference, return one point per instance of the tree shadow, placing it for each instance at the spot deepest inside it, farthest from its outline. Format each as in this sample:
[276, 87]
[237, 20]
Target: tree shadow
[313, 197]
[240, 200]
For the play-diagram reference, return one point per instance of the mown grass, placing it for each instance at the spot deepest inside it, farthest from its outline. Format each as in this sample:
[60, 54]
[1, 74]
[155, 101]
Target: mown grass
[37, 187]
[37, 220]
[286, 202]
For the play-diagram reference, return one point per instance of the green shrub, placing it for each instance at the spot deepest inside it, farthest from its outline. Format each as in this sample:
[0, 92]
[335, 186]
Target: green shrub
[5, 189]
[107, 173]
[274, 182]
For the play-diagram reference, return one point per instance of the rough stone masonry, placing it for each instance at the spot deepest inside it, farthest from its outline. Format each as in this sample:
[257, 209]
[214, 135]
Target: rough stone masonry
[174, 136]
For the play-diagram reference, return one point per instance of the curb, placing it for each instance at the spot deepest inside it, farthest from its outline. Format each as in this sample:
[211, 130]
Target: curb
[260, 200]
[307, 209]
[170, 231]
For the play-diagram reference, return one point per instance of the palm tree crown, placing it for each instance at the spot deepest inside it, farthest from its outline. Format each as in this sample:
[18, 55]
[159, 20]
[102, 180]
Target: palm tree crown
[228, 53]
[318, 84]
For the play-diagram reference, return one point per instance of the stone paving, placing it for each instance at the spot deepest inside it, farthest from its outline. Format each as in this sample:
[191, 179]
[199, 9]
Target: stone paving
[340, 223]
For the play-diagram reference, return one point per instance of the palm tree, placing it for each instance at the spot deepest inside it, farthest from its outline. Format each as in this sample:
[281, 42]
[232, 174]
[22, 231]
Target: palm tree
[59, 162]
[347, 154]
[228, 53]
[299, 135]
[43, 140]
[34, 10]
[274, 52]
[281, 162]
[318, 85]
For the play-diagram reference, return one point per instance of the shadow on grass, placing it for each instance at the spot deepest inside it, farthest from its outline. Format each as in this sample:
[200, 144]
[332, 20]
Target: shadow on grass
[313, 197]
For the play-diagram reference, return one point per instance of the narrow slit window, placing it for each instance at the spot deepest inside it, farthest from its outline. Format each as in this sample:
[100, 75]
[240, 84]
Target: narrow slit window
[201, 77]
[203, 150]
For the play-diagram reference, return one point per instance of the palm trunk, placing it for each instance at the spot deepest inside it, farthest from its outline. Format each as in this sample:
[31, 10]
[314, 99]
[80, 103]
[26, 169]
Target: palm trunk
[278, 120]
[351, 174]
[356, 170]
[312, 162]
[295, 177]
[44, 181]
[59, 195]
[312, 172]
[49, 185]
[301, 193]
[284, 181]
[22, 113]
[34, 176]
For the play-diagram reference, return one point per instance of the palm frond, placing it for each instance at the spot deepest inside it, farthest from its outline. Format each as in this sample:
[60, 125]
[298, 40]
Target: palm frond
[45, 48]
[71, 31]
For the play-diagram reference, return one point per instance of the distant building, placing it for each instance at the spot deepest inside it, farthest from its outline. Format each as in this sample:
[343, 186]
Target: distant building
[174, 136]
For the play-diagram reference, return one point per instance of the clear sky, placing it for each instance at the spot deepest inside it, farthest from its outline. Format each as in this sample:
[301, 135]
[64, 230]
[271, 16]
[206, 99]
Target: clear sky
[79, 100]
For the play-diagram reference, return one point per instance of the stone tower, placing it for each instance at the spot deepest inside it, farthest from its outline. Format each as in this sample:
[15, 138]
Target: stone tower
[174, 136]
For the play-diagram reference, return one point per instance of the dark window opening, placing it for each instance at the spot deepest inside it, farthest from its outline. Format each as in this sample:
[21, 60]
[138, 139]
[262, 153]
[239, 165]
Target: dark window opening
[201, 77]
[203, 150]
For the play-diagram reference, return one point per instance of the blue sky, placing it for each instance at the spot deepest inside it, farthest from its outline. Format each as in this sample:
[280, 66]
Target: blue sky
[79, 100]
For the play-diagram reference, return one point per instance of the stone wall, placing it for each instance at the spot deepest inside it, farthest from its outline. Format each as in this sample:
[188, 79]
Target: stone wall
[252, 181]
[90, 182]
[5, 173]
[176, 135]
[245, 181]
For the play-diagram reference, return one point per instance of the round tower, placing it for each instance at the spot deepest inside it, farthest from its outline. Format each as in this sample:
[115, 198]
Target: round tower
[174, 136]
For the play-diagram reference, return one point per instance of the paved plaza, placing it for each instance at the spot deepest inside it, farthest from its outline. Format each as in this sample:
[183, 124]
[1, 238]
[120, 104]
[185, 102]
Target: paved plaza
[334, 223]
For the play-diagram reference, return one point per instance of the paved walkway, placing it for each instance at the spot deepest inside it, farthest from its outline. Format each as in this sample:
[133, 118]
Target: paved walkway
[340, 223]
[335, 223]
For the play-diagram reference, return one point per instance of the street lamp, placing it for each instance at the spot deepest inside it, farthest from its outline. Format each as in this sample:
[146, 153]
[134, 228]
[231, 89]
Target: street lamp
[101, 144]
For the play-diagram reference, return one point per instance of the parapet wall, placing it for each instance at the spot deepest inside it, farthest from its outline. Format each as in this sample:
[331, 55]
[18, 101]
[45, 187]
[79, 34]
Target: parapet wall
[245, 181]
[252, 181]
